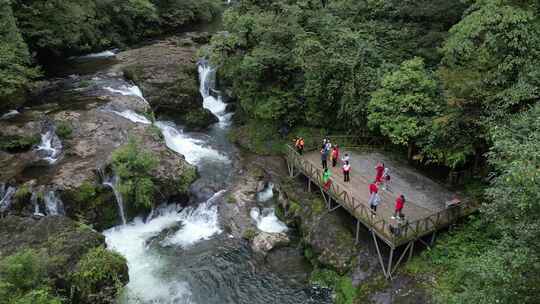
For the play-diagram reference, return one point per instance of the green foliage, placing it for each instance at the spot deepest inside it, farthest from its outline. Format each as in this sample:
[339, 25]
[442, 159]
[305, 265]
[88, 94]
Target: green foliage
[403, 106]
[23, 279]
[96, 269]
[64, 130]
[17, 143]
[133, 164]
[176, 13]
[23, 192]
[249, 234]
[15, 60]
[342, 285]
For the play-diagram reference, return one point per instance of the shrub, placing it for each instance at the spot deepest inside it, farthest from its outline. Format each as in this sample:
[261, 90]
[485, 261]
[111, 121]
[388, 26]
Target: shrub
[64, 130]
[132, 164]
[16, 143]
[96, 269]
[249, 234]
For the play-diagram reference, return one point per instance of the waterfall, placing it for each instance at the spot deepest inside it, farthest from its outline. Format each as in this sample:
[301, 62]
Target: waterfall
[9, 114]
[125, 90]
[207, 78]
[112, 182]
[50, 147]
[267, 220]
[53, 204]
[34, 202]
[6, 195]
[132, 116]
[266, 194]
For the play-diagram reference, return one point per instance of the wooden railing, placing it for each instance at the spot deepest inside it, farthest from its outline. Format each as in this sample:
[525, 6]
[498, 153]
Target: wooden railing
[395, 233]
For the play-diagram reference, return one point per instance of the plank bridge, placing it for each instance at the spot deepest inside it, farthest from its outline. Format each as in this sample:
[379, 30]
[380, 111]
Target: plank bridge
[399, 236]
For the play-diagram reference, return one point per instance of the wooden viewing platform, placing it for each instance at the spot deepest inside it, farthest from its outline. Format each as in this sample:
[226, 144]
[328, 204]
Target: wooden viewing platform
[425, 210]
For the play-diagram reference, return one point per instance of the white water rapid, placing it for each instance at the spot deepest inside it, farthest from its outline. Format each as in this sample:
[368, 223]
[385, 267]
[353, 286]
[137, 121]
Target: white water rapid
[266, 194]
[50, 147]
[127, 90]
[9, 114]
[130, 115]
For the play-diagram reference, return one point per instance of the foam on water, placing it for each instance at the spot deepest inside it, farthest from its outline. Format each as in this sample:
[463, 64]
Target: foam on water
[132, 116]
[191, 148]
[267, 221]
[199, 224]
[145, 283]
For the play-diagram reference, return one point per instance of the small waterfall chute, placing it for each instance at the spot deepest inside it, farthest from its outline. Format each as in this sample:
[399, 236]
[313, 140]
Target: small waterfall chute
[53, 203]
[266, 194]
[127, 90]
[207, 79]
[132, 116]
[267, 220]
[112, 182]
[50, 147]
[9, 114]
[6, 197]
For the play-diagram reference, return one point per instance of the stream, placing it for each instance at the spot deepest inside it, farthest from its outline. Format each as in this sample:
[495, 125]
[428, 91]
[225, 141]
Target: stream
[184, 256]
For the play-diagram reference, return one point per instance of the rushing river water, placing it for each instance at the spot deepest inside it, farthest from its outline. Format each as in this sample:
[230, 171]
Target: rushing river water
[184, 256]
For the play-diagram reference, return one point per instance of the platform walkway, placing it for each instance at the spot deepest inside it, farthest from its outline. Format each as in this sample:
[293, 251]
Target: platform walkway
[425, 211]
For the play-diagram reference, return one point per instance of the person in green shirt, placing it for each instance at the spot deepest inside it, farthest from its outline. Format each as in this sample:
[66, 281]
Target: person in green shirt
[326, 179]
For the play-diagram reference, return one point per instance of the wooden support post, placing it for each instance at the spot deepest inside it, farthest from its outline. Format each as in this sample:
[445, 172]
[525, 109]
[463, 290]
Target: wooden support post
[401, 258]
[378, 253]
[411, 251]
[390, 260]
[433, 238]
[357, 231]
[309, 184]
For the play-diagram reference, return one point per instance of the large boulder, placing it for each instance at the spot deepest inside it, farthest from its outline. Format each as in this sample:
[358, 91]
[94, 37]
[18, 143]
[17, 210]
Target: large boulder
[167, 73]
[263, 242]
[67, 245]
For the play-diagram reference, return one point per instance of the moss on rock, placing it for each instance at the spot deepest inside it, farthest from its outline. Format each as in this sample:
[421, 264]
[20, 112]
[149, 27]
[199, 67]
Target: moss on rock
[17, 143]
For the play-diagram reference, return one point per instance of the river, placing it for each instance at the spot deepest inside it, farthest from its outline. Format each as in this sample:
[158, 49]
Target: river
[184, 256]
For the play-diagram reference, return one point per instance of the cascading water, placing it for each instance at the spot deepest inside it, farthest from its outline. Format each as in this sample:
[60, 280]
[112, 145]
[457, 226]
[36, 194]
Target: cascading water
[9, 114]
[127, 90]
[266, 218]
[53, 204]
[181, 257]
[50, 146]
[34, 202]
[6, 197]
[207, 78]
[112, 182]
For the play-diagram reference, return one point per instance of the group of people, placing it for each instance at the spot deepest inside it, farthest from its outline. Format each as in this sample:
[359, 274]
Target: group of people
[382, 176]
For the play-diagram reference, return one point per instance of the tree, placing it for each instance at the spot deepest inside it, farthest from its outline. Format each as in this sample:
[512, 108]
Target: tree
[15, 61]
[404, 106]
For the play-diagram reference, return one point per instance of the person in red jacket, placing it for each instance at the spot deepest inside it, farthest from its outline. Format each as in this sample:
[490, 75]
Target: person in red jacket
[380, 171]
[400, 203]
[373, 199]
[334, 155]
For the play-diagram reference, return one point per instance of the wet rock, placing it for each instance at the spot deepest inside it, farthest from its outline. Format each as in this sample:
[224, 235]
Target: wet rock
[264, 242]
[167, 73]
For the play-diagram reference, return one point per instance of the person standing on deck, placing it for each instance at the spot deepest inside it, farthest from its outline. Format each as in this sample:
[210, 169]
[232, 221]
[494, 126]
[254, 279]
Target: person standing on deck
[328, 145]
[380, 170]
[324, 158]
[334, 155]
[346, 172]
[373, 196]
[386, 179]
[345, 158]
[400, 203]
[299, 144]
[326, 179]
[324, 141]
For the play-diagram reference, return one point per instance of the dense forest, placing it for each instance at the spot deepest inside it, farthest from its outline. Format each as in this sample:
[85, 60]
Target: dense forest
[451, 83]
[455, 82]
[34, 33]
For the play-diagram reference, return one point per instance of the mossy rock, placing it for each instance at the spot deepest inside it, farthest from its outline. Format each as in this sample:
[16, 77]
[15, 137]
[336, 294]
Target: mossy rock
[199, 118]
[99, 276]
[17, 143]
